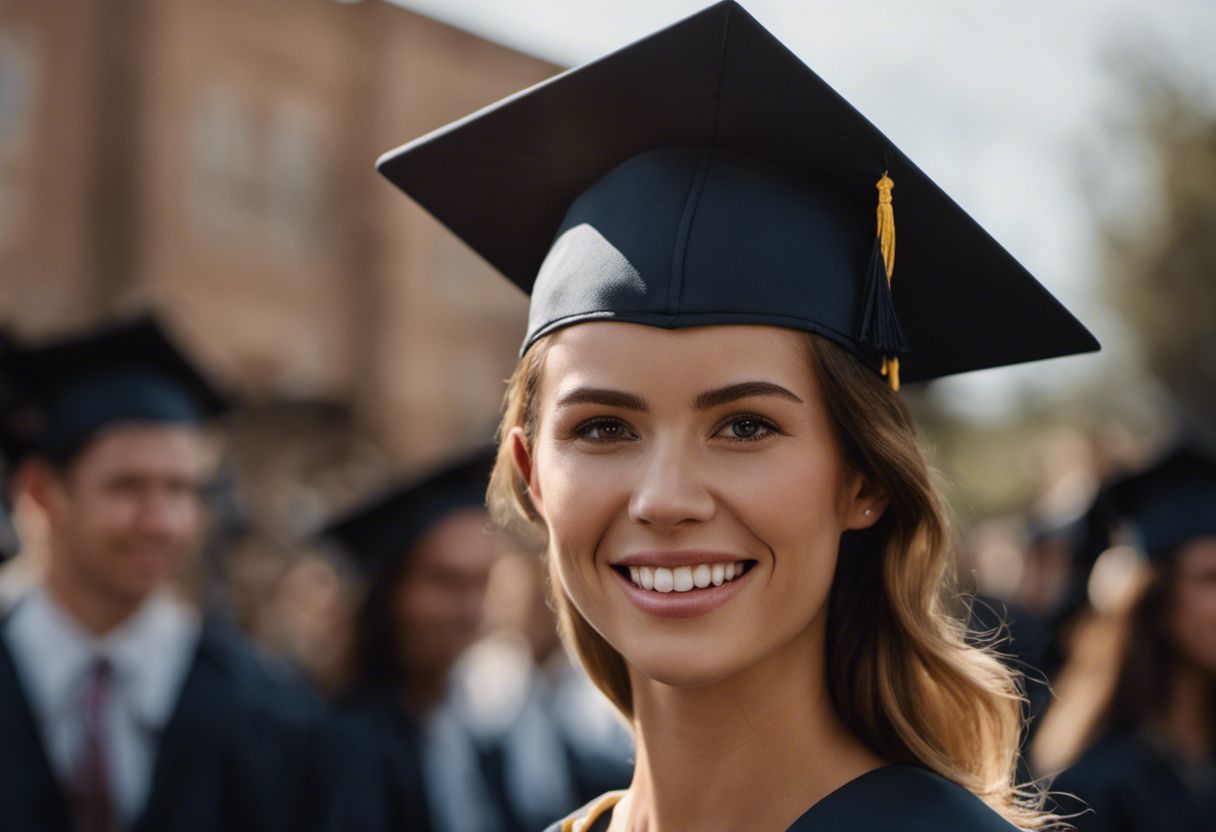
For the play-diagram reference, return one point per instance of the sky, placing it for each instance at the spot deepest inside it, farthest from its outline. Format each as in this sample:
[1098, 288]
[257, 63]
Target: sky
[1012, 106]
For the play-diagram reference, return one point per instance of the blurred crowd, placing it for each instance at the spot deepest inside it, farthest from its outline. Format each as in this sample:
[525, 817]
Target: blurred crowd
[1104, 594]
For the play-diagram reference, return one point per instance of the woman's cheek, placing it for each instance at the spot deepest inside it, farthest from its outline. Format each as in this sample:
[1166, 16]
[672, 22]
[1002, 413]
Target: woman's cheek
[579, 502]
[788, 501]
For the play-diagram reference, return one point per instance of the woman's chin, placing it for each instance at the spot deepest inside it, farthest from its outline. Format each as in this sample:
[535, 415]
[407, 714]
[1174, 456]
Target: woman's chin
[678, 667]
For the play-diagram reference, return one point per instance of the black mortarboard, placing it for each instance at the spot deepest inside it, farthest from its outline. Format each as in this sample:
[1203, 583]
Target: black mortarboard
[705, 175]
[381, 532]
[1168, 503]
[12, 400]
[126, 371]
[10, 444]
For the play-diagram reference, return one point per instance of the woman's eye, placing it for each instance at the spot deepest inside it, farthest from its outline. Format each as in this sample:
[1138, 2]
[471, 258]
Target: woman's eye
[748, 428]
[603, 430]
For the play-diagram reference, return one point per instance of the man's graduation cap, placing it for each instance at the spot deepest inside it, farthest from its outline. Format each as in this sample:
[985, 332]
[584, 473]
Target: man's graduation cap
[1169, 503]
[705, 175]
[10, 403]
[380, 533]
[72, 388]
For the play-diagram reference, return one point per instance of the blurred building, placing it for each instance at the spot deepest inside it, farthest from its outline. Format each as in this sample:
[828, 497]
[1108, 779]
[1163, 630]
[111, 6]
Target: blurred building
[214, 158]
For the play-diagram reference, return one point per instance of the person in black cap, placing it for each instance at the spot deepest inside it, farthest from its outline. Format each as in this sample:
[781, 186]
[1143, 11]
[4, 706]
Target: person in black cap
[1147, 743]
[746, 548]
[555, 739]
[123, 707]
[426, 552]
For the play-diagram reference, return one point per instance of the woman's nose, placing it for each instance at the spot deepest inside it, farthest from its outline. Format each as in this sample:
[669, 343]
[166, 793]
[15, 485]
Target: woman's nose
[670, 490]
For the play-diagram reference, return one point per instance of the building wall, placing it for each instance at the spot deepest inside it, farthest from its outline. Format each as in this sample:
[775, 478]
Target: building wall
[214, 158]
[48, 162]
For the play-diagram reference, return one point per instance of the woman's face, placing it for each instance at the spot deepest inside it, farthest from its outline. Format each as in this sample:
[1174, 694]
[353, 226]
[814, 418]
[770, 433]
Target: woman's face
[666, 461]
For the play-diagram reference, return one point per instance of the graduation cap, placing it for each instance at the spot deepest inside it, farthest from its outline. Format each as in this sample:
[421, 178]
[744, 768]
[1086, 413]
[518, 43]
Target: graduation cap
[126, 371]
[10, 403]
[1167, 504]
[379, 534]
[705, 175]
[12, 399]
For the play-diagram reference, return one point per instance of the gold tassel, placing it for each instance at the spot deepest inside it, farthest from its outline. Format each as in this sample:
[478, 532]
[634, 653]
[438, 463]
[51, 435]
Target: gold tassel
[886, 238]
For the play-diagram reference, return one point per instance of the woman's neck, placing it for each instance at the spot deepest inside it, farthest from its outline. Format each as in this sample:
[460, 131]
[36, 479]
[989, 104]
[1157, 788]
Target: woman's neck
[753, 751]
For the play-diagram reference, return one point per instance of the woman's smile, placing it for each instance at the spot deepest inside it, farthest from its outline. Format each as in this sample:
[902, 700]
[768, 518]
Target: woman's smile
[681, 584]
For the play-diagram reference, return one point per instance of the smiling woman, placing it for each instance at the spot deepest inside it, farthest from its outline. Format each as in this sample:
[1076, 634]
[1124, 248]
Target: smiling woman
[745, 547]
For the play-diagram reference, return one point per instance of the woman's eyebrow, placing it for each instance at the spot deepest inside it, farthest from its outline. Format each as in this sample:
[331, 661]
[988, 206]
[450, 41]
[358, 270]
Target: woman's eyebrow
[747, 389]
[603, 396]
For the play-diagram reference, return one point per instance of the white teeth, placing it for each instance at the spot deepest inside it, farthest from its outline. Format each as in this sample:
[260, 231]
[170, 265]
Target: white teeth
[684, 578]
[647, 577]
[664, 581]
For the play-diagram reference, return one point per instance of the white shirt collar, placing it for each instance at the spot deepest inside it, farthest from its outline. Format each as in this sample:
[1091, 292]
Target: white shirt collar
[149, 652]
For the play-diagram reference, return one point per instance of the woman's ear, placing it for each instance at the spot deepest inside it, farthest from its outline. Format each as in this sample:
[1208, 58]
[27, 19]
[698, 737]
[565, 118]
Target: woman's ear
[521, 454]
[867, 505]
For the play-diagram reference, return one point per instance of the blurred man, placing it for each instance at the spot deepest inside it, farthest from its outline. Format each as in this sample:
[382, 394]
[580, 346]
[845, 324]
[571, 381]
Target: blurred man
[123, 708]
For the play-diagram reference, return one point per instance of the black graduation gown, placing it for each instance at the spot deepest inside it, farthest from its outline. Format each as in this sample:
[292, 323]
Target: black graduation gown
[382, 788]
[237, 753]
[897, 797]
[1123, 784]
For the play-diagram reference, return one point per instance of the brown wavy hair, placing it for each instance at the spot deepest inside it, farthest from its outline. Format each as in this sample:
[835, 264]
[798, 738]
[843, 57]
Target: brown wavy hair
[901, 673]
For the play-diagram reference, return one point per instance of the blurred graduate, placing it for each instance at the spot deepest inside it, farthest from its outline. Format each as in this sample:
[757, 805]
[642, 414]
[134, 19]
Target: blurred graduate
[554, 741]
[426, 553]
[1136, 715]
[123, 706]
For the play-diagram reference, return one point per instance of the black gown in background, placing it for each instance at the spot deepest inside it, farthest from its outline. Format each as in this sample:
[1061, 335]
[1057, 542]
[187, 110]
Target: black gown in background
[1124, 784]
[895, 798]
[242, 751]
[383, 787]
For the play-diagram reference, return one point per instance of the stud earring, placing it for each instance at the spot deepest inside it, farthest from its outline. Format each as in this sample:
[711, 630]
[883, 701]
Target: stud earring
[867, 512]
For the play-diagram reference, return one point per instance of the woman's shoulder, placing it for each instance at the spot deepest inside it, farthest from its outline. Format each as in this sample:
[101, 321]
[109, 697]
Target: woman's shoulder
[904, 797]
[593, 817]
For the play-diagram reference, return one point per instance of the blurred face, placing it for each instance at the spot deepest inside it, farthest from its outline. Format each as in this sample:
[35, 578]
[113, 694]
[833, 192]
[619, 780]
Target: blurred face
[126, 514]
[694, 492]
[1193, 612]
[439, 598]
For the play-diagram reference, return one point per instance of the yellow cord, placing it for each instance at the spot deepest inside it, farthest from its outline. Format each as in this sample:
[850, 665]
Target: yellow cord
[886, 238]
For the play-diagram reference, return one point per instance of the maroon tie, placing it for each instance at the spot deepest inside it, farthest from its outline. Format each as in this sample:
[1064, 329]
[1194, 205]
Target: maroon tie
[90, 779]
